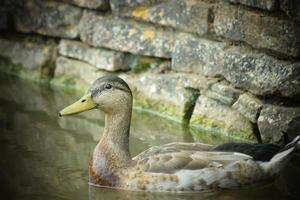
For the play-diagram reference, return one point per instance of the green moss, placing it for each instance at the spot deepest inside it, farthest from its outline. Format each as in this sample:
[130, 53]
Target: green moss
[6, 66]
[166, 110]
[70, 83]
[203, 123]
[140, 63]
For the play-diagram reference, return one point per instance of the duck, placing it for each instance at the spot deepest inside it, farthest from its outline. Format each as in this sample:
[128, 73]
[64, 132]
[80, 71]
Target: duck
[174, 167]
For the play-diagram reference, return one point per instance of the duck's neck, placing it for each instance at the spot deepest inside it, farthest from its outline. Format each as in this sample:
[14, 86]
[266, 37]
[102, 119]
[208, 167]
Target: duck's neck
[115, 139]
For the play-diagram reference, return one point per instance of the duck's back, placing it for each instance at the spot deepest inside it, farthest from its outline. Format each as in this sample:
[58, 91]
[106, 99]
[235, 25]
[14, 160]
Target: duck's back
[194, 171]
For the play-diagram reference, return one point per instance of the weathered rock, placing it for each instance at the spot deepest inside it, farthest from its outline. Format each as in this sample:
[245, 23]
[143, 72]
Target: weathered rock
[186, 15]
[262, 4]
[192, 54]
[75, 74]
[249, 106]
[291, 8]
[126, 35]
[167, 94]
[34, 56]
[98, 57]
[48, 18]
[93, 4]
[261, 74]
[212, 115]
[273, 120]
[223, 93]
[258, 30]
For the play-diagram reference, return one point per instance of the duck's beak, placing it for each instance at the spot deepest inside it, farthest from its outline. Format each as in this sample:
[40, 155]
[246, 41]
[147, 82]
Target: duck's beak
[83, 104]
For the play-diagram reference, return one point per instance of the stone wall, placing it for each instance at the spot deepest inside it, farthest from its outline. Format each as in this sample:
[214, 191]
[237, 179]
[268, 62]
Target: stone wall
[227, 66]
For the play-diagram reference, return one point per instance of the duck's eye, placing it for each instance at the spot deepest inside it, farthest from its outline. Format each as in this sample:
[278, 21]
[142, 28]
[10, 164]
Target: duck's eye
[108, 86]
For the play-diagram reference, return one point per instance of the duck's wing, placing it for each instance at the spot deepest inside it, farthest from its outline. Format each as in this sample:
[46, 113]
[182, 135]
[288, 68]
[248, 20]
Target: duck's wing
[189, 160]
[172, 148]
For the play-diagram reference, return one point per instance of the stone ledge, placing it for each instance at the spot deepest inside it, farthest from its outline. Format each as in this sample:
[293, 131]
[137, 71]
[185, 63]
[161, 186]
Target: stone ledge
[186, 15]
[249, 106]
[257, 29]
[210, 114]
[126, 35]
[223, 93]
[98, 57]
[48, 18]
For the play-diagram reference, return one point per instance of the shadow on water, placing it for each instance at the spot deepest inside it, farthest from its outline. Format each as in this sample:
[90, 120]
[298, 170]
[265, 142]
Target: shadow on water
[46, 157]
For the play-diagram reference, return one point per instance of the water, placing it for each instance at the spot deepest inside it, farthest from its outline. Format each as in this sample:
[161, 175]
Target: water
[46, 157]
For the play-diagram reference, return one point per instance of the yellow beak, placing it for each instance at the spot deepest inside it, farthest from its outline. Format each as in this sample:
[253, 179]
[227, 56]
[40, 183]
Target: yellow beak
[83, 104]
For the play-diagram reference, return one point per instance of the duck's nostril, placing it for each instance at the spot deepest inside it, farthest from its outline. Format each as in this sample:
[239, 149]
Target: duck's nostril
[83, 100]
[59, 114]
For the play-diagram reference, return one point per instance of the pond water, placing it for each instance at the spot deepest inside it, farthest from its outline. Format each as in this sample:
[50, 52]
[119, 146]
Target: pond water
[46, 157]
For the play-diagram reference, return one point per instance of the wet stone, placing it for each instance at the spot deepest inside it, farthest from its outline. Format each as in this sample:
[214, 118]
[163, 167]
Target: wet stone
[262, 4]
[98, 57]
[211, 115]
[249, 106]
[48, 18]
[275, 119]
[126, 35]
[192, 54]
[29, 55]
[262, 74]
[74, 73]
[281, 35]
[186, 15]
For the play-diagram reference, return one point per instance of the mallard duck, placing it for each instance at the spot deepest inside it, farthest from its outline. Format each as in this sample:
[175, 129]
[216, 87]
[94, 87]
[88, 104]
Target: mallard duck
[171, 167]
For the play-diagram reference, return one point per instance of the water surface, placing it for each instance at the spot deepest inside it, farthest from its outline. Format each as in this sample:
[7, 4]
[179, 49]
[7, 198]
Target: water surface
[46, 157]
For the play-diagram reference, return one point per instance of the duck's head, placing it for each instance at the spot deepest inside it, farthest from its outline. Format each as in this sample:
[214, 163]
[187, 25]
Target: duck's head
[110, 94]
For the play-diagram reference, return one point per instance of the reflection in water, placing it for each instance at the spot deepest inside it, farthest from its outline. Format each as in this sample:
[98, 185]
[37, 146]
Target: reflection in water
[46, 157]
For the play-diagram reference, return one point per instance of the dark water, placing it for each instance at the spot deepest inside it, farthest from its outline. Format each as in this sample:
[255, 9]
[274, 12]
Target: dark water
[46, 157]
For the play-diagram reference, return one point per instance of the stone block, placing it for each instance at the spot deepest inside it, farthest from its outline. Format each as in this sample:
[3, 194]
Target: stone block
[192, 54]
[185, 15]
[48, 18]
[98, 57]
[29, 54]
[167, 94]
[126, 35]
[259, 30]
[262, 4]
[275, 119]
[223, 93]
[75, 74]
[249, 106]
[212, 115]
[92, 4]
[261, 74]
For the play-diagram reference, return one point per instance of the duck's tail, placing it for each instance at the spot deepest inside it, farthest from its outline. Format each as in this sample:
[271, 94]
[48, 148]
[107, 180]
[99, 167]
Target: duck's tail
[278, 161]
